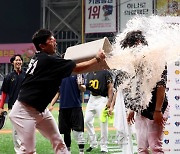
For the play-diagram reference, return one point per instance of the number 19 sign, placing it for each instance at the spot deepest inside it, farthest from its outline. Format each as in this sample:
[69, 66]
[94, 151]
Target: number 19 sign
[100, 16]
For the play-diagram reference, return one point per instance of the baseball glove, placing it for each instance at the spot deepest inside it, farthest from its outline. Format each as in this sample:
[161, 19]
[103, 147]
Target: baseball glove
[2, 119]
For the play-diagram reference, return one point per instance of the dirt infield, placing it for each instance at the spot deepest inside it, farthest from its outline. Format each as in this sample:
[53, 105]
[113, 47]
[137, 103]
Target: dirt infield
[8, 131]
[5, 131]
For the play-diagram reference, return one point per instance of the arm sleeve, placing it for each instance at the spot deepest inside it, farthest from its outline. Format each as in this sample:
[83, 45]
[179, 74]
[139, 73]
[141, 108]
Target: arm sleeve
[109, 78]
[63, 65]
[6, 84]
[4, 89]
[3, 98]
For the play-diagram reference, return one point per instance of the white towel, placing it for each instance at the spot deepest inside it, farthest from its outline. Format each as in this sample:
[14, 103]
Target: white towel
[120, 123]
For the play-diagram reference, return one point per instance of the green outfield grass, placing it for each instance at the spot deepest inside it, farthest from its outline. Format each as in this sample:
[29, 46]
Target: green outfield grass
[43, 146]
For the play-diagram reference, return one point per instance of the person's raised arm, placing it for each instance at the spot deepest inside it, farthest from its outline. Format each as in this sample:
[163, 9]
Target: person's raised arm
[100, 56]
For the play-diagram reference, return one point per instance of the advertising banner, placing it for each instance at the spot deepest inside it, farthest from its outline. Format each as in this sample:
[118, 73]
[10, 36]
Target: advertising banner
[171, 141]
[27, 50]
[168, 7]
[100, 16]
[130, 8]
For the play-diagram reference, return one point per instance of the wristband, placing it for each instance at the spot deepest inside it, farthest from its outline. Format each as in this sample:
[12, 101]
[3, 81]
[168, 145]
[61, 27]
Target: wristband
[98, 59]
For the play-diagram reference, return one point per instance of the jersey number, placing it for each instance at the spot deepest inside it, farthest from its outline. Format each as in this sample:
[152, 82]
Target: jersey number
[94, 84]
[32, 66]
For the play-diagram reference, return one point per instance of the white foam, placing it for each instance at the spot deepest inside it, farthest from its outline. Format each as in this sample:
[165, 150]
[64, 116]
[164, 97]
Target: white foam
[163, 47]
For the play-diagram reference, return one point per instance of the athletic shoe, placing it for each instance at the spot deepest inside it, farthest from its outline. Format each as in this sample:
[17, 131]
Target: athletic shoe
[103, 152]
[3, 119]
[81, 151]
[69, 150]
[89, 149]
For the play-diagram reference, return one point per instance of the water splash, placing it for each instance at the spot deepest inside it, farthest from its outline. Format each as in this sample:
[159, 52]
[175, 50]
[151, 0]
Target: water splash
[163, 47]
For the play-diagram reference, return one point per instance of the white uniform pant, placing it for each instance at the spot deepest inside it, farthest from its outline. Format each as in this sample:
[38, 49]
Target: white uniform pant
[95, 106]
[26, 119]
[16, 141]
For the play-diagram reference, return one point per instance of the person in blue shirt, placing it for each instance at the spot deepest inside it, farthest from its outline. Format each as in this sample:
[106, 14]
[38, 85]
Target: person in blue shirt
[70, 110]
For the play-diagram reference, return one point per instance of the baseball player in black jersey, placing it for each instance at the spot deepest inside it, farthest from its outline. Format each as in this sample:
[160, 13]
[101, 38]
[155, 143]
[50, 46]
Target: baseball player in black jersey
[43, 77]
[10, 89]
[101, 87]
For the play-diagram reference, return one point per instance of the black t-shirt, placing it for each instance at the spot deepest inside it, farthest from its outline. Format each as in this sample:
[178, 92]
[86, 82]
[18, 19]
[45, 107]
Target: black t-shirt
[120, 77]
[97, 82]
[148, 113]
[43, 77]
[133, 103]
[11, 86]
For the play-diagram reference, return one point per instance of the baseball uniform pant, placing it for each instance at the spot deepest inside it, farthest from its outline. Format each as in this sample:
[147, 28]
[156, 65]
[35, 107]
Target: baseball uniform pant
[95, 106]
[149, 135]
[26, 120]
[16, 141]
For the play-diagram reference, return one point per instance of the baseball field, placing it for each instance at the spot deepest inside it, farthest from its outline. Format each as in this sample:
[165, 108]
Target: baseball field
[43, 146]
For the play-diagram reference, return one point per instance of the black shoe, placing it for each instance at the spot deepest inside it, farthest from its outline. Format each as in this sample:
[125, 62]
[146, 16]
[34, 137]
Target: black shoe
[103, 152]
[89, 149]
[69, 149]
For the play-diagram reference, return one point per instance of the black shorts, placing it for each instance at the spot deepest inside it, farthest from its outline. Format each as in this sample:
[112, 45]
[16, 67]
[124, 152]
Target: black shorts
[71, 119]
